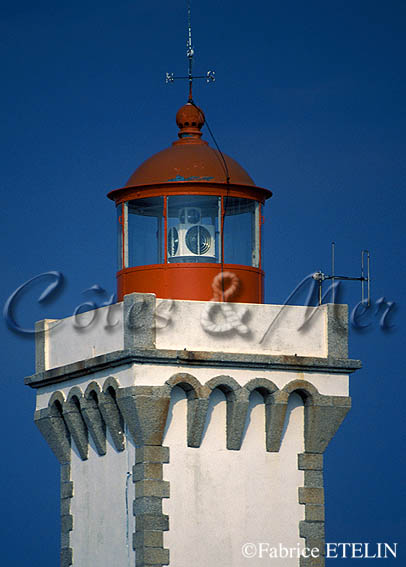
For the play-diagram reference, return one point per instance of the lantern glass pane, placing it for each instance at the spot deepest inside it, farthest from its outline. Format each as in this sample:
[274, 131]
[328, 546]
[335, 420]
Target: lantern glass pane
[241, 231]
[145, 231]
[119, 236]
[193, 228]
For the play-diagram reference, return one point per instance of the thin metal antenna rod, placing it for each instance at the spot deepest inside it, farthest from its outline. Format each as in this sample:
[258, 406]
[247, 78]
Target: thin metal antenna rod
[366, 279]
[209, 76]
[320, 277]
[369, 279]
[320, 292]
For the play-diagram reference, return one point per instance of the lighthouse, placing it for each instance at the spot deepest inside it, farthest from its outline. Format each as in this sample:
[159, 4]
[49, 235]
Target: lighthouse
[190, 419]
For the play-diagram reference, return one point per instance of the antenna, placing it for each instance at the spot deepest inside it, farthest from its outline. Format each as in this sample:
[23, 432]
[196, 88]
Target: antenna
[320, 277]
[365, 254]
[209, 76]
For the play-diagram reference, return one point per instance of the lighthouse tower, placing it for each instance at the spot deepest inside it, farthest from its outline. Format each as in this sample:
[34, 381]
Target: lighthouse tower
[190, 419]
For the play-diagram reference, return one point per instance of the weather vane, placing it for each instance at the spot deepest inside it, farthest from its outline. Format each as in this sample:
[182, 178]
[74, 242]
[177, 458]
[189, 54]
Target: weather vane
[209, 76]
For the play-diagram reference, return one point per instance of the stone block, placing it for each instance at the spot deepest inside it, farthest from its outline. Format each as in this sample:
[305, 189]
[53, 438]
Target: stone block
[147, 505]
[313, 530]
[95, 424]
[66, 523]
[322, 421]
[65, 539]
[158, 488]
[312, 561]
[148, 538]
[196, 419]
[309, 495]
[310, 461]
[236, 418]
[55, 433]
[337, 330]
[77, 428]
[65, 506]
[152, 522]
[113, 419]
[152, 454]
[316, 543]
[275, 413]
[314, 513]
[65, 473]
[152, 556]
[139, 321]
[66, 556]
[313, 479]
[67, 489]
[144, 412]
[144, 471]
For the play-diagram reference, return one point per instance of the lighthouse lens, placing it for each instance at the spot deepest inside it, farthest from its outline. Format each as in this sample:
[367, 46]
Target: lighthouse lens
[198, 240]
[193, 216]
[197, 222]
[173, 241]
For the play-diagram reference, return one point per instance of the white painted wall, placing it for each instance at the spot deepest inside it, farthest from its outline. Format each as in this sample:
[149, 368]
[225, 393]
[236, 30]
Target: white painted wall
[185, 329]
[85, 336]
[101, 521]
[222, 499]
[74, 339]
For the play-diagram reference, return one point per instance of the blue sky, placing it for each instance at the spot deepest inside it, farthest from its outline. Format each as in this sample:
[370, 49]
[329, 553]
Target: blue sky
[309, 97]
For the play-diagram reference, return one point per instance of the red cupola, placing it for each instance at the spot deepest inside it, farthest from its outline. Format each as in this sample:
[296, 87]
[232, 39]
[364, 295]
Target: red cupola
[186, 215]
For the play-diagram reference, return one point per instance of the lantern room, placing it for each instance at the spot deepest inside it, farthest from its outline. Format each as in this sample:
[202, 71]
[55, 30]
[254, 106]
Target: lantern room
[190, 216]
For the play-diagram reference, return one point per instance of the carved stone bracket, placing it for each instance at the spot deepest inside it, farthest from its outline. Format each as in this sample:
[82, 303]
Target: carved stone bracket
[144, 410]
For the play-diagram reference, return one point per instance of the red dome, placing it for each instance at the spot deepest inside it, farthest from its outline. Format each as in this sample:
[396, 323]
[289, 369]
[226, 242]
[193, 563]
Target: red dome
[190, 158]
[189, 162]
